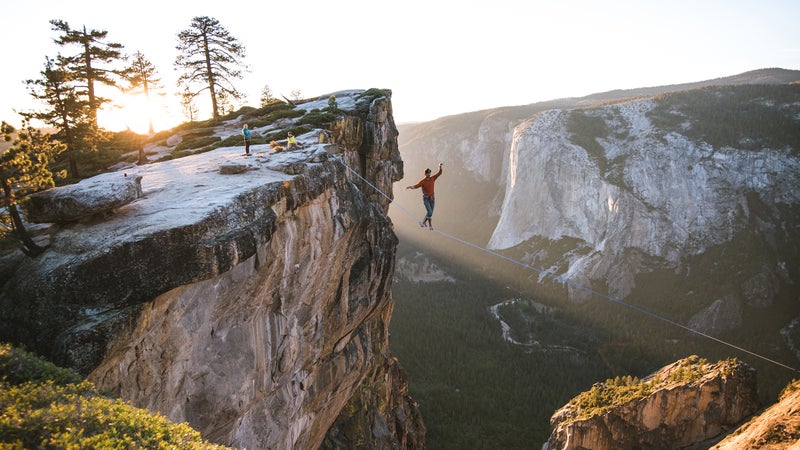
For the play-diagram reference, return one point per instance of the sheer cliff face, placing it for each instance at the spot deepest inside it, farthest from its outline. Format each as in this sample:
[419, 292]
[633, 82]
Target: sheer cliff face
[263, 354]
[255, 308]
[636, 189]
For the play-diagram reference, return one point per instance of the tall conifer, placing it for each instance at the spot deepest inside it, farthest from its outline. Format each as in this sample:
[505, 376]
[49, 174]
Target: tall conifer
[143, 75]
[94, 61]
[210, 58]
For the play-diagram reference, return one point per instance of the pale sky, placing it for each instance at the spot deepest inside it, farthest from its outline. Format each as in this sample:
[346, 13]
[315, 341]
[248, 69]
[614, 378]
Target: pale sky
[438, 57]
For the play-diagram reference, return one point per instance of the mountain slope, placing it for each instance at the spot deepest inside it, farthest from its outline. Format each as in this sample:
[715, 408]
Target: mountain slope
[623, 179]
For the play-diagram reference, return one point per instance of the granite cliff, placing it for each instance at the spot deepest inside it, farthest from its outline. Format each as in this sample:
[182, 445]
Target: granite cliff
[644, 193]
[653, 182]
[252, 303]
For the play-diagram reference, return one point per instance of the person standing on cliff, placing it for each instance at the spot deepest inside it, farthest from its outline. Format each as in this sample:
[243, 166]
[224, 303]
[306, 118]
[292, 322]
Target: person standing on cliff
[246, 134]
[428, 198]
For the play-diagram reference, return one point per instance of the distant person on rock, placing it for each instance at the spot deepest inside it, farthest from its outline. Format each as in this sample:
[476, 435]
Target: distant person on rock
[291, 142]
[428, 198]
[246, 133]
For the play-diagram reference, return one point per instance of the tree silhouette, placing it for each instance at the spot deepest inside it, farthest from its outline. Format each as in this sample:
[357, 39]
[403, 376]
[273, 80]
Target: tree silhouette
[67, 111]
[142, 75]
[91, 63]
[267, 97]
[187, 103]
[211, 58]
[23, 170]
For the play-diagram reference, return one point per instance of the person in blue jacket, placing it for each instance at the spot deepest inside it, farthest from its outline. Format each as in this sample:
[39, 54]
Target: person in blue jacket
[246, 133]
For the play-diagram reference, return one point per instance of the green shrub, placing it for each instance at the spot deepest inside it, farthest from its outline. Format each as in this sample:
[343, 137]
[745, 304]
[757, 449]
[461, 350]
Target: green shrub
[43, 406]
[614, 392]
[283, 134]
[317, 118]
[284, 113]
[259, 123]
[160, 138]
[374, 93]
[18, 366]
[584, 131]
[48, 415]
[195, 125]
[268, 109]
[196, 142]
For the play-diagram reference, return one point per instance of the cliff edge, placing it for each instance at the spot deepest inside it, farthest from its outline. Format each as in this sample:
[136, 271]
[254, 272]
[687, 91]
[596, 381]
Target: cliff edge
[253, 303]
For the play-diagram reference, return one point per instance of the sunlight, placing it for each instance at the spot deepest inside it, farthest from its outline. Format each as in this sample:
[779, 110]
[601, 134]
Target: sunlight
[134, 112]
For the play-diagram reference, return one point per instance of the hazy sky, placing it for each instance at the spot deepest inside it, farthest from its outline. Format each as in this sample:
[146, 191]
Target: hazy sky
[439, 57]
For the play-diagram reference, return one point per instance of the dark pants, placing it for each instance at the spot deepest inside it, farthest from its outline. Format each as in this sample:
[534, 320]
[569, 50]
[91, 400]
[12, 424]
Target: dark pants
[247, 146]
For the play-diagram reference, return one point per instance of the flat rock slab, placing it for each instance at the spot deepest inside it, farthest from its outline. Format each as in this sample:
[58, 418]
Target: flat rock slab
[85, 199]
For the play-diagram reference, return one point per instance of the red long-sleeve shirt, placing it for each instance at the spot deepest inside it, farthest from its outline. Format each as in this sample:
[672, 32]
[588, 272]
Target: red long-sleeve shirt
[427, 183]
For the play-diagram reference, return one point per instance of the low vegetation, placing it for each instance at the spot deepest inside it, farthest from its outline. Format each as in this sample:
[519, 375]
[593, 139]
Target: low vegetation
[584, 131]
[620, 390]
[744, 117]
[44, 406]
[470, 384]
[474, 389]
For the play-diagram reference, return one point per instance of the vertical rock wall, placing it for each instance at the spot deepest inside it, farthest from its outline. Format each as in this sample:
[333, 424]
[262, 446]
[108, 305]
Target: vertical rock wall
[279, 322]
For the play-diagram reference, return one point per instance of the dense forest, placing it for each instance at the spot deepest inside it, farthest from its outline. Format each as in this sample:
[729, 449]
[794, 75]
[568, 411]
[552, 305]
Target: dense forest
[477, 390]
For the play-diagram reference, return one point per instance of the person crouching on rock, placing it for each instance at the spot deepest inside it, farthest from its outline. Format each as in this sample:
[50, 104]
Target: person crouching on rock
[291, 142]
[428, 198]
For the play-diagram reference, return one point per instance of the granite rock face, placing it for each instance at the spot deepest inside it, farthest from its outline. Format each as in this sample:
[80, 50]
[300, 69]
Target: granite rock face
[691, 402]
[638, 188]
[255, 306]
[776, 428]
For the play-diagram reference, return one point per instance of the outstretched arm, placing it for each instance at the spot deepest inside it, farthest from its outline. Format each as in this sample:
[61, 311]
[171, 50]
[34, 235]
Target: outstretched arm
[439, 172]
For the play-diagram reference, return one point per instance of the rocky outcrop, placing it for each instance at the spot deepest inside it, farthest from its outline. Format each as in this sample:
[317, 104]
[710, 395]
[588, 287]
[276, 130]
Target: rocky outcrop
[82, 200]
[776, 428]
[254, 305]
[684, 403]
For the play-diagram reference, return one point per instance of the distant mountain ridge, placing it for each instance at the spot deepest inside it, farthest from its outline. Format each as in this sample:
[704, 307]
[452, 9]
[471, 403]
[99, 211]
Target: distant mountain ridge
[712, 165]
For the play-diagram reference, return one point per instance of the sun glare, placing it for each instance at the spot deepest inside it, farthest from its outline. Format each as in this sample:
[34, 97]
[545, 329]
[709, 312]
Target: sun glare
[134, 112]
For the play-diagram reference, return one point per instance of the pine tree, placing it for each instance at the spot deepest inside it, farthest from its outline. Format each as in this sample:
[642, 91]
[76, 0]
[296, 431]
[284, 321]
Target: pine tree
[23, 171]
[267, 98]
[187, 103]
[67, 111]
[210, 58]
[92, 64]
[142, 75]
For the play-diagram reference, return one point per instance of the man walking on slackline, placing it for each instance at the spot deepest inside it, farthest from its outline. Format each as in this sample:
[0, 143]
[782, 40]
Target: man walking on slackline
[428, 198]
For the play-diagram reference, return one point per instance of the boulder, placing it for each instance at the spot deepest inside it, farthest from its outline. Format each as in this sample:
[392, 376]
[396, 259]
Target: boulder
[232, 168]
[81, 200]
[174, 140]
